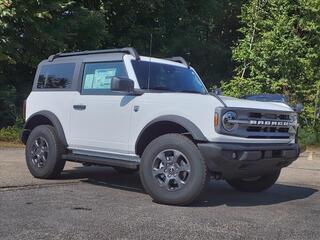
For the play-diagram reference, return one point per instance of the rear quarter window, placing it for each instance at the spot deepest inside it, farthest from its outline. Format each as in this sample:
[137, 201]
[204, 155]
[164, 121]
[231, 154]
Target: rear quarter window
[56, 76]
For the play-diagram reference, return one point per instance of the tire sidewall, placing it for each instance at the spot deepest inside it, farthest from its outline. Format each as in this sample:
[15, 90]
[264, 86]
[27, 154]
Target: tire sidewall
[194, 183]
[53, 156]
[261, 184]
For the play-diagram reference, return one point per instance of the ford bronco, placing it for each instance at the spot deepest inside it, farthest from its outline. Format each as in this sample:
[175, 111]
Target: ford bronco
[116, 108]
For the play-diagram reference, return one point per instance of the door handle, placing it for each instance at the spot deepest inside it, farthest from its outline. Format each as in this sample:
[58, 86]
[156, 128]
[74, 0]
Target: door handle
[79, 107]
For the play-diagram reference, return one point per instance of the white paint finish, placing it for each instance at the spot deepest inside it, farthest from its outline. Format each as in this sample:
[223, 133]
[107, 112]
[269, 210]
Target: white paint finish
[197, 108]
[57, 102]
[104, 125]
[243, 103]
[109, 123]
[131, 75]
[164, 61]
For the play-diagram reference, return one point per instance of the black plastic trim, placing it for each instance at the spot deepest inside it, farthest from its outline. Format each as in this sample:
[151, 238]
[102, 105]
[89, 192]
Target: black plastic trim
[53, 119]
[242, 132]
[219, 99]
[128, 50]
[187, 124]
[240, 160]
[100, 161]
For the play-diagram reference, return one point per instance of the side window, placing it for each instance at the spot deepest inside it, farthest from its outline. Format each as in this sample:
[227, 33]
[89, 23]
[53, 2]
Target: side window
[97, 76]
[56, 76]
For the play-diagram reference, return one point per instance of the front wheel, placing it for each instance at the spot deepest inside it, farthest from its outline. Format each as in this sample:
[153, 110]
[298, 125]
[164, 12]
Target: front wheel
[172, 170]
[255, 184]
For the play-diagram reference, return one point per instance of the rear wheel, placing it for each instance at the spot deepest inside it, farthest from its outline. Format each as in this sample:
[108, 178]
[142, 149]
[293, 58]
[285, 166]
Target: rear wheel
[256, 184]
[172, 170]
[43, 153]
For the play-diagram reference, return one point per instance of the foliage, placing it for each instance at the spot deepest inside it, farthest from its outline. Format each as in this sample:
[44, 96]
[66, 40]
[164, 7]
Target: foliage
[8, 111]
[31, 30]
[204, 28]
[11, 133]
[279, 53]
[308, 136]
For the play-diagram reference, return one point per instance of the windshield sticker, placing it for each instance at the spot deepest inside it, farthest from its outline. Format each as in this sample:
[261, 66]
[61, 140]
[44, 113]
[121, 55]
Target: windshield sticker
[102, 78]
[88, 81]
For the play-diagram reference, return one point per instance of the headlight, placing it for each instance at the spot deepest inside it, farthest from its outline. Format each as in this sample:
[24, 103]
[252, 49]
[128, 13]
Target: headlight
[227, 121]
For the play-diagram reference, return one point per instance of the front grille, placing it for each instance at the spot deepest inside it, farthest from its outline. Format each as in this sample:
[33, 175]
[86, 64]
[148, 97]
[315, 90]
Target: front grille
[271, 116]
[258, 116]
[263, 124]
[267, 131]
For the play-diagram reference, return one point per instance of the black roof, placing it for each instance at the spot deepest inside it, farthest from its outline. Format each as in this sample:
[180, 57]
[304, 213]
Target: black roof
[127, 50]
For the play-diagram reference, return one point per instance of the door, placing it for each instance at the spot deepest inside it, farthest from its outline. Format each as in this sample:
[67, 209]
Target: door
[100, 119]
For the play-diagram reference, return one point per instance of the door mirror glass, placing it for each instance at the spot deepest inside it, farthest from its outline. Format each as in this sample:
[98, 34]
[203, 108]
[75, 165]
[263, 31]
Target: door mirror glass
[298, 108]
[122, 84]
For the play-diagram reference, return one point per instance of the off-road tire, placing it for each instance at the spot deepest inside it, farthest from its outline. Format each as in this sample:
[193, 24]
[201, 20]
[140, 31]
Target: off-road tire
[54, 163]
[257, 185]
[197, 179]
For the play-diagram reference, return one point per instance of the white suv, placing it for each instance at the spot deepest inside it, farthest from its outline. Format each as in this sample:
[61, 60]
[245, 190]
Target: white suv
[116, 108]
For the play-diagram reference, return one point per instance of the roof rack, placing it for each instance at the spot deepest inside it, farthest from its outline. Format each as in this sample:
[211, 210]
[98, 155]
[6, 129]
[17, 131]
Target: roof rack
[128, 50]
[179, 60]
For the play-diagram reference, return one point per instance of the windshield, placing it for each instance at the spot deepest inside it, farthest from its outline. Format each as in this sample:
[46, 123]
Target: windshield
[267, 98]
[167, 77]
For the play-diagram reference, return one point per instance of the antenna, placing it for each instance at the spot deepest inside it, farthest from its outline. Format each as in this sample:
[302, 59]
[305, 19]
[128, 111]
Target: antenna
[188, 58]
[150, 52]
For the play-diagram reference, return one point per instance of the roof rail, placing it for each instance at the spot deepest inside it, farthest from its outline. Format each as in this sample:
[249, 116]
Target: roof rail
[179, 60]
[128, 50]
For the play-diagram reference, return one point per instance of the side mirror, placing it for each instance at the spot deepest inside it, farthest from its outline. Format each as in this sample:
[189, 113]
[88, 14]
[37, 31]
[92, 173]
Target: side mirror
[217, 91]
[121, 84]
[298, 108]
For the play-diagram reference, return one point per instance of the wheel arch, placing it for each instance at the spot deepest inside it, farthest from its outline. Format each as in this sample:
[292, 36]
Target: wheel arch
[167, 124]
[43, 118]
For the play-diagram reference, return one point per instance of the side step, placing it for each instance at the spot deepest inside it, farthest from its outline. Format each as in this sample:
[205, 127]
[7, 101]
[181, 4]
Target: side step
[100, 161]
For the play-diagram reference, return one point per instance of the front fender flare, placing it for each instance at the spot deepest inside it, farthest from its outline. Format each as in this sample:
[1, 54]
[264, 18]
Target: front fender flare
[184, 122]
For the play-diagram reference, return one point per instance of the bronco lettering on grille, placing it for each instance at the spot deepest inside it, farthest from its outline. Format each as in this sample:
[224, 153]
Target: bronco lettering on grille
[269, 123]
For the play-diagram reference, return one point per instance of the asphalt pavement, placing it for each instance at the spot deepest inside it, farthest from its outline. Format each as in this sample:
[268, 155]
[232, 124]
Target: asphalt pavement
[99, 203]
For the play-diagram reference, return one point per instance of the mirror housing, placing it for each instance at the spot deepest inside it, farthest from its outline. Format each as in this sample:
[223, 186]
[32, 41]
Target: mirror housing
[217, 91]
[298, 108]
[122, 84]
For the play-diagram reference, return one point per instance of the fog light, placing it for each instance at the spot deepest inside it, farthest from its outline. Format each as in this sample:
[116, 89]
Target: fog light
[234, 155]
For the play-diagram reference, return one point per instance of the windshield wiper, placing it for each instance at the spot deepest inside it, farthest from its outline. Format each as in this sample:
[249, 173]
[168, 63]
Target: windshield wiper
[171, 90]
[191, 91]
[161, 89]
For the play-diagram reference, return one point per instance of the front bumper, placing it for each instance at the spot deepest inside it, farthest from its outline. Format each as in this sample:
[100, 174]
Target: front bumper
[236, 160]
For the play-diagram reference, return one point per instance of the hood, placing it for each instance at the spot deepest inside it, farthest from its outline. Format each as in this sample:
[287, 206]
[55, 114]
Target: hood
[243, 103]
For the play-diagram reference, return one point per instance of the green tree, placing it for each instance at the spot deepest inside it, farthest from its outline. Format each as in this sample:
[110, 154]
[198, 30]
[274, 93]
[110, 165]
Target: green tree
[31, 31]
[206, 29]
[279, 52]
